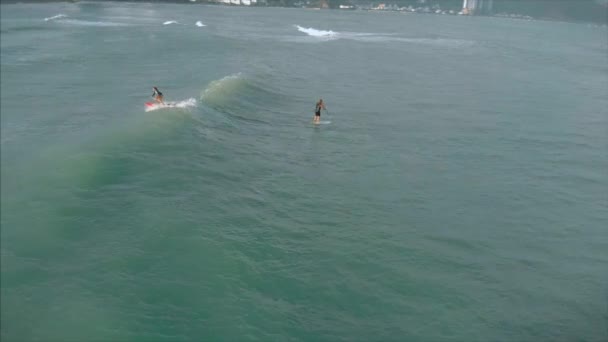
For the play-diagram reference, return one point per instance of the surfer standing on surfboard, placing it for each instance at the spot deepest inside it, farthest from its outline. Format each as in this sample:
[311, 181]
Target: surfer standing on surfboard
[320, 105]
[158, 96]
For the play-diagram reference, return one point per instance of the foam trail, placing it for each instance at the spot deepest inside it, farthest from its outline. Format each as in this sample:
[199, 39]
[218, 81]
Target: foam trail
[316, 33]
[55, 17]
[189, 103]
[200, 24]
[169, 22]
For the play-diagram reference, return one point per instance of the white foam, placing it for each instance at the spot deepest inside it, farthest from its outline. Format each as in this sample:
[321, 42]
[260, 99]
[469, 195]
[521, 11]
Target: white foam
[189, 103]
[169, 22]
[55, 17]
[316, 33]
[200, 24]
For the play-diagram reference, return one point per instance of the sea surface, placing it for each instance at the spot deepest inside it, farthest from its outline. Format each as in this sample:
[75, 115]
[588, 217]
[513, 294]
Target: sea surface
[456, 189]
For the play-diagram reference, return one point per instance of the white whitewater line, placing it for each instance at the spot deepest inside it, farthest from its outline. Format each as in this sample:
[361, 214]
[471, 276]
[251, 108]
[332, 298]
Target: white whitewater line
[200, 24]
[55, 17]
[316, 33]
[169, 22]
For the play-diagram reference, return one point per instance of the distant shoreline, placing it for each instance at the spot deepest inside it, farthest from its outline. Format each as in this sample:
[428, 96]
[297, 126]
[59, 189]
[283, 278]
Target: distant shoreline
[515, 16]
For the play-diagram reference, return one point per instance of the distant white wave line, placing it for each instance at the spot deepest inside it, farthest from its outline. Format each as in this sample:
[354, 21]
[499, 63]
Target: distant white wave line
[384, 37]
[200, 24]
[316, 33]
[169, 22]
[55, 17]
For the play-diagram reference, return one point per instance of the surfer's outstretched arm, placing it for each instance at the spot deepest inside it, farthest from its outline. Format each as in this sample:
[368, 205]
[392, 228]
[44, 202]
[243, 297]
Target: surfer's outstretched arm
[158, 96]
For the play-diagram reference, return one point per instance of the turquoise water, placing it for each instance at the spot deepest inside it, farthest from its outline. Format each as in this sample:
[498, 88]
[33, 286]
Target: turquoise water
[458, 192]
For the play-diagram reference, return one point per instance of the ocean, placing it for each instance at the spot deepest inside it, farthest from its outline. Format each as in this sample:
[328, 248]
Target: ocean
[455, 190]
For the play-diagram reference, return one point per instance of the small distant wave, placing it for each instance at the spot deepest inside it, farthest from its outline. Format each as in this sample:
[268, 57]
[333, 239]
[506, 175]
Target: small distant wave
[440, 42]
[200, 24]
[189, 103]
[22, 29]
[77, 22]
[55, 17]
[316, 33]
[443, 42]
[169, 22]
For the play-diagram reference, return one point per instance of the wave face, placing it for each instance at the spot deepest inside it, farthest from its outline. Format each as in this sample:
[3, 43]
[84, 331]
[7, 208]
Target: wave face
[239, 95]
